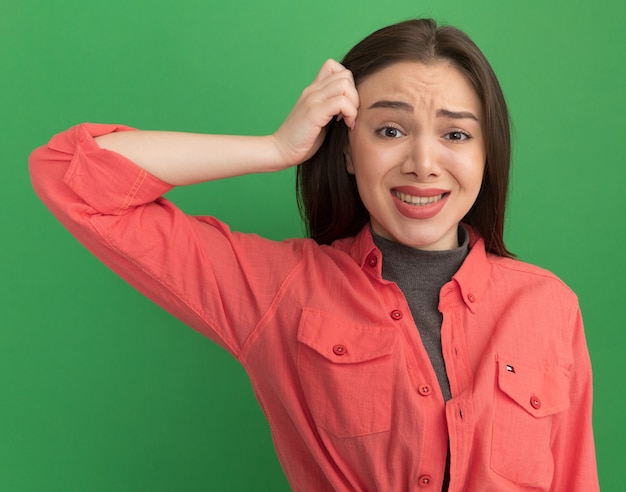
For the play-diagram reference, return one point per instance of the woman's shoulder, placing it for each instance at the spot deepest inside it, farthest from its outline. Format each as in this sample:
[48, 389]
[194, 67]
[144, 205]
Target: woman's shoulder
[524, 273]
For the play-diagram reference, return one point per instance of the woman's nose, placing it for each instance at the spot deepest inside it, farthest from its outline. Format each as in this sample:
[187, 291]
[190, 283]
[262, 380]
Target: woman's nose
[422, 160]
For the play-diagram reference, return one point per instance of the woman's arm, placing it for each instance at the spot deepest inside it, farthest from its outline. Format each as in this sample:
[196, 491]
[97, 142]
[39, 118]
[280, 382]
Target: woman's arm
[194, 267]
[186, 158]
[573, 448]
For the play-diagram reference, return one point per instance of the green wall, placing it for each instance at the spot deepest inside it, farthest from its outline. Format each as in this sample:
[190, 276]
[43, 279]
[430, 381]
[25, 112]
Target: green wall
[102, 391]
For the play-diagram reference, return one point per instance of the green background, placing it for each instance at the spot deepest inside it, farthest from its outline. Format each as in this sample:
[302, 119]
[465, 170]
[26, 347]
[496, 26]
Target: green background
[102, 391]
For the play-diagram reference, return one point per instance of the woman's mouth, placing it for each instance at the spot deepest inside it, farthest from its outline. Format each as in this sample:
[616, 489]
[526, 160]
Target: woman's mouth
[415, 203]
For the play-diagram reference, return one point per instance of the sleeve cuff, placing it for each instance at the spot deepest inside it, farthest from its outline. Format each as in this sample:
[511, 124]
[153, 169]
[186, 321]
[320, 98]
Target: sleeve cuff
[105, 180]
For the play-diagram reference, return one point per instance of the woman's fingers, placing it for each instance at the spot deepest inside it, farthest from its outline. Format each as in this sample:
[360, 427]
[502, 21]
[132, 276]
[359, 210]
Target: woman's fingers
[334, 91]
[332, 94]
[329, 67]
[337, 74]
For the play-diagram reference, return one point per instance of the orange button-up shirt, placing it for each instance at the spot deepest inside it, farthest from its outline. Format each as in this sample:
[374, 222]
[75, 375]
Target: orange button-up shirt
[331, 349]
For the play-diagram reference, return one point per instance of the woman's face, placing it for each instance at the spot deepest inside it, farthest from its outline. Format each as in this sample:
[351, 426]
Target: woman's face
[417, 152]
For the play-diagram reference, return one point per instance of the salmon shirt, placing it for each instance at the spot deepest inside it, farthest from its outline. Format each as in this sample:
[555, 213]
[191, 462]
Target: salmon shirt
[331, 349]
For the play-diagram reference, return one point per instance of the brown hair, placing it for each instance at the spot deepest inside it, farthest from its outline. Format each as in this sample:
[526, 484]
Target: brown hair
[327, 194]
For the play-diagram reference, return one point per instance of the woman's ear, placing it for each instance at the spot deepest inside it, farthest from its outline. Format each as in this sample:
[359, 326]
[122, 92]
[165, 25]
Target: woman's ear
[347, 157]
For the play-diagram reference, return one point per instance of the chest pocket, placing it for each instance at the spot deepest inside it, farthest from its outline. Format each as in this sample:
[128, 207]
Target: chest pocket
[347, 373]
[527, 399]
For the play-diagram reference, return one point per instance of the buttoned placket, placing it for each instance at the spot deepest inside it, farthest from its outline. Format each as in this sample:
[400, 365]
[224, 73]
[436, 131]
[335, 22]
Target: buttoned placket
[420, 368]
[459, 414]
[431, 466]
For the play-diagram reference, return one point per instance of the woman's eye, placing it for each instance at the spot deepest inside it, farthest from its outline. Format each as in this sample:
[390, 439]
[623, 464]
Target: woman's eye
[390, 132]
[457, 136]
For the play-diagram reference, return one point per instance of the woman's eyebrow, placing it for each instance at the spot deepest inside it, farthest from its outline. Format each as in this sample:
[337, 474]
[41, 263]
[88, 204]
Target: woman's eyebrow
[457, 115]
[405, 106]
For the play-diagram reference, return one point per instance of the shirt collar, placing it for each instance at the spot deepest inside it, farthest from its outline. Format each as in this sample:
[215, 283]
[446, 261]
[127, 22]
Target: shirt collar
[471, 278]
[363, 250]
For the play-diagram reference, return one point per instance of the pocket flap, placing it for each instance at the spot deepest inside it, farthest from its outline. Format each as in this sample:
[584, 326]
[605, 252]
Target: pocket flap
[342, 341]
[539, 389]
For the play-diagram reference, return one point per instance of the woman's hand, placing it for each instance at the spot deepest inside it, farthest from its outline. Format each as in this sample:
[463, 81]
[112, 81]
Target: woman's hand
[187, 158]
[332, 94]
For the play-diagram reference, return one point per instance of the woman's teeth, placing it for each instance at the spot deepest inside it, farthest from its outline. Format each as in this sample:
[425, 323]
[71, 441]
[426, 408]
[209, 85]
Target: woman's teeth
[417, 200]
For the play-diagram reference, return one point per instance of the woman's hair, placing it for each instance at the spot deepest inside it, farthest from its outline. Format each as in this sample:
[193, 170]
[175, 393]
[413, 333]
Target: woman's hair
[327, 194]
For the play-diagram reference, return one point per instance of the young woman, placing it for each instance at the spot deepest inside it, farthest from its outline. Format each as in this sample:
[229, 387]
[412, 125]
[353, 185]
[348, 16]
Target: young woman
[400, 347]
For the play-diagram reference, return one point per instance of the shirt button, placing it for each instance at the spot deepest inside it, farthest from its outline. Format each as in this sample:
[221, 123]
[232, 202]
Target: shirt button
[339, 349]
[396, 314]
[425, 481]
[372, 260]
[424, 390]
[471, 297]
[535, 402]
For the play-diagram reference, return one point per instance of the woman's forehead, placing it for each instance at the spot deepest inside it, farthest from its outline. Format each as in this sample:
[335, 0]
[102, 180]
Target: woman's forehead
[438, 84]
